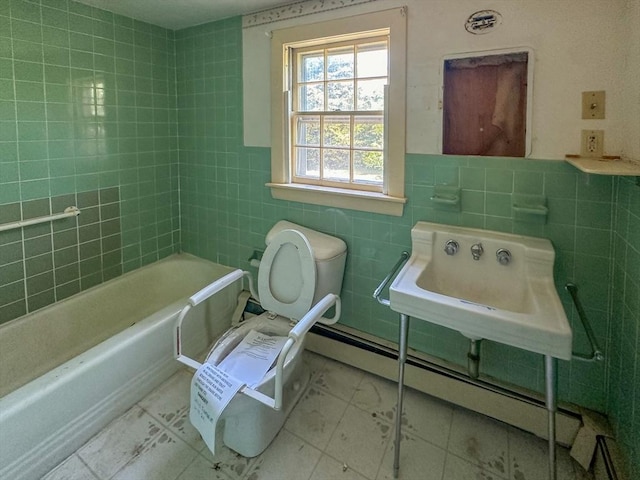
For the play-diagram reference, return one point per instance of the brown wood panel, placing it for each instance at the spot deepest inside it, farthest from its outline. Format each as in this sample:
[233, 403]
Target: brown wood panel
[484, 102]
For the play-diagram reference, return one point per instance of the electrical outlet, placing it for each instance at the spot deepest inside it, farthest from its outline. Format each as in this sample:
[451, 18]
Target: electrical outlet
[592, 144]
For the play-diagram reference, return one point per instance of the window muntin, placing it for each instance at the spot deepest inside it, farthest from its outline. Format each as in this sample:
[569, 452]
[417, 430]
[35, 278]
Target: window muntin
[337, 117]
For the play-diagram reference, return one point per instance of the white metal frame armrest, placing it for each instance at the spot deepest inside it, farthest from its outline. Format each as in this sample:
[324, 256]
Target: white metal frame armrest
[296, 334]
[194, 300]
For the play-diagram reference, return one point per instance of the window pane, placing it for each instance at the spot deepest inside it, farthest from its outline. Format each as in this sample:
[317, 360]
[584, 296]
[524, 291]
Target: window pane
[335, 164]
[311, 67]
[340, 96]
[368, 132]
[337, 132]
[371, 94]
[367, 167]
[340, 63]
[311, 98]
[308, 162]
[372, 60]
[308, 131]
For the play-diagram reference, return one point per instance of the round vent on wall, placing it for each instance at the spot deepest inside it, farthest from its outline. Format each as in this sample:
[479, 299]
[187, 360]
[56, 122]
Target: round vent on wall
[484, 21]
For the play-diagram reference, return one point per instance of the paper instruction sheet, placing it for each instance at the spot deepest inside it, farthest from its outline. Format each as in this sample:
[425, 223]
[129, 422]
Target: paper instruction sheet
[253, 357]
[211, 391]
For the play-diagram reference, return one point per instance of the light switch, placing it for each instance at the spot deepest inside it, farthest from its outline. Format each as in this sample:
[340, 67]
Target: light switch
[593, 105]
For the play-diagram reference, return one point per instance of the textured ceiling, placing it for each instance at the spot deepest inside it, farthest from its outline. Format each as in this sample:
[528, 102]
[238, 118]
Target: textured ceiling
[177, 14]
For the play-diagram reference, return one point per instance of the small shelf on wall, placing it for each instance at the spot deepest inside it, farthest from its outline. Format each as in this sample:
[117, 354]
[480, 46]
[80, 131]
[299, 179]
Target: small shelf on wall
[608, 165]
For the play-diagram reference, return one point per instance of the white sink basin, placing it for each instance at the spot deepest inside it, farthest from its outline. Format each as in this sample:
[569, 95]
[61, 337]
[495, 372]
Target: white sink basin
[515, 304]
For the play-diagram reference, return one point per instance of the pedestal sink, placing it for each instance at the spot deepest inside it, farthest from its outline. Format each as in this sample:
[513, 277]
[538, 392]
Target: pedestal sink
[486, 285]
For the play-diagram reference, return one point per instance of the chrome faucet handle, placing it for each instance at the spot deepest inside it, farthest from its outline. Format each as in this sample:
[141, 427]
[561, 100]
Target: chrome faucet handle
[451, 247]
[476, 251]
[503, 256]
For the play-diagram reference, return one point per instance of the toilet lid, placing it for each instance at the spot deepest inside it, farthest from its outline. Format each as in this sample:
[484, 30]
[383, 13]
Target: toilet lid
[287, 275]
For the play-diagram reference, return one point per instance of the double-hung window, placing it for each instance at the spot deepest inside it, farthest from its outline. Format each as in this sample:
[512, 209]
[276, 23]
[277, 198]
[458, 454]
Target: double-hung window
[337, 116]
[338, 112]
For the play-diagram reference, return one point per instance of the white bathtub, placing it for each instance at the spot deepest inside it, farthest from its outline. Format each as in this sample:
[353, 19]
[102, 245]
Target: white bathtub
[69, 369]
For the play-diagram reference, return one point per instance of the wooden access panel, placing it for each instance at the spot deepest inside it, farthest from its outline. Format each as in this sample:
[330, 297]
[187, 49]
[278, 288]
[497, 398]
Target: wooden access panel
[485, 105]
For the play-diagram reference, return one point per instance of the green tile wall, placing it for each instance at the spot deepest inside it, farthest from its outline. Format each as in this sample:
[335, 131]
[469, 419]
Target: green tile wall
[48, 262]
[624, 360]
[87, 103]
[214, 173]
[226, 211]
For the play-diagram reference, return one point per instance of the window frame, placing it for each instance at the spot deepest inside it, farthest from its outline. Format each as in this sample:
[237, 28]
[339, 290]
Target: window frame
[391, 199]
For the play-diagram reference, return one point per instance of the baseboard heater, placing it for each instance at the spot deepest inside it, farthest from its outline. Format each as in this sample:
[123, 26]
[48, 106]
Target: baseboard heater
[517, 408]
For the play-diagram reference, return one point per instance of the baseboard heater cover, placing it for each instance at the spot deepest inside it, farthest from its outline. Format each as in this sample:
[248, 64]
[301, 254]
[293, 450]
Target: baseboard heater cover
[515, 408]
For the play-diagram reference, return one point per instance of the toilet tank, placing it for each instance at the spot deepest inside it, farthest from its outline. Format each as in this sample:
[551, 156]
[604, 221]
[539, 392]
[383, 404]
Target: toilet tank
[330, 254]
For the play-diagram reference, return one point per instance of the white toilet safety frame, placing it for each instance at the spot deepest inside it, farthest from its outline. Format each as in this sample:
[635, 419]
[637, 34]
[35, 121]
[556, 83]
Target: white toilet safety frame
[296, 334]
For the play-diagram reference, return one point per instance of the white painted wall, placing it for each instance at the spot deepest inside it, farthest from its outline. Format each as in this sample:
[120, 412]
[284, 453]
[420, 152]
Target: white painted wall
[579, 45]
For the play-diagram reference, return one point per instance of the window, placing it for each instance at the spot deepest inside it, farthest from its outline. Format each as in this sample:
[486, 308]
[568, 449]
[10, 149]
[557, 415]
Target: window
[338, 113]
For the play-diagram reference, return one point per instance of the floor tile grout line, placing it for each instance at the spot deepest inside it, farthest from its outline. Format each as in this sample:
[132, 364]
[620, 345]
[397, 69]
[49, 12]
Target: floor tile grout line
[323, 451]
[168, 425]
[160, 419]
[136, 455]
[337, 423]
[144, 446]
[473, 464]
[317, 461]
[107, 427]
[479, 466]
[95, 475]
[188, 464]
[349, 467]
[448, 443]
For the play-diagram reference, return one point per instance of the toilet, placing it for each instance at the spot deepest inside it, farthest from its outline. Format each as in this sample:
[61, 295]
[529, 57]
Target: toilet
[298, 269]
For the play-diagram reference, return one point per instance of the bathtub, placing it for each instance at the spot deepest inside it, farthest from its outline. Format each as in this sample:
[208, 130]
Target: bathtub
[69, 369]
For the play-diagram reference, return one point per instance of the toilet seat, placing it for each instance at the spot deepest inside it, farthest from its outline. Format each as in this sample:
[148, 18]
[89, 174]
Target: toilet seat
[287, 263]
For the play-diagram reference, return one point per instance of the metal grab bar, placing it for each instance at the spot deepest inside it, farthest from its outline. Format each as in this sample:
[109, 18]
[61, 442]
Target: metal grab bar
[404, 256]
[596, 353]
[68, 212]
[296, 334]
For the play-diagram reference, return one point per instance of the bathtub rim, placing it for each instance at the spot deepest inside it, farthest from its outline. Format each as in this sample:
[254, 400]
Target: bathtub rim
[16, 323]
[124, 276]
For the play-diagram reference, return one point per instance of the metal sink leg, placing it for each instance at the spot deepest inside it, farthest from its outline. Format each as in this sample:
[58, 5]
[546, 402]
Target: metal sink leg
[551, 380]
[402, 358]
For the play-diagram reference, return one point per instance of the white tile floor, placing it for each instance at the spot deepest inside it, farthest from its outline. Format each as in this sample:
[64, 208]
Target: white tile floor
[342, 428]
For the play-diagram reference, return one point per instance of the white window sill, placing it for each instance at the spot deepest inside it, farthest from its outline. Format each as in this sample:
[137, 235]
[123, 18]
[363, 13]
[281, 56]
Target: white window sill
[373, 202]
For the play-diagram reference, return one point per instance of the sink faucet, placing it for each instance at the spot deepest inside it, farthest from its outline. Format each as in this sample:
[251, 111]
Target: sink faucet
[477, 250]
[503, 256]
[451, 247]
